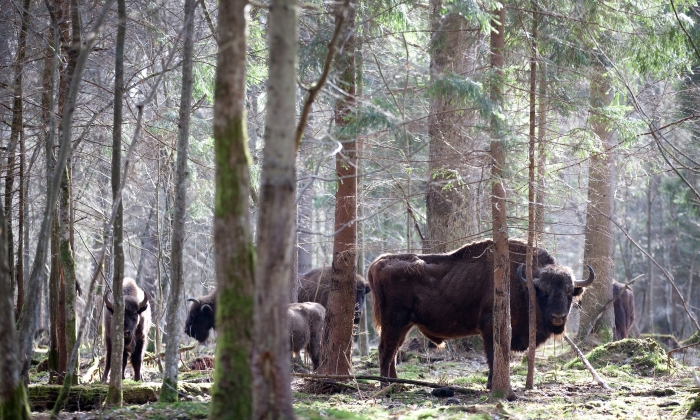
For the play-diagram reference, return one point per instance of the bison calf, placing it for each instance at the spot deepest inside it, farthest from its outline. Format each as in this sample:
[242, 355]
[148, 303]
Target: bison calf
[315, 284]
[306, 328]
[201, 317]
[624, 310]
[137, 323]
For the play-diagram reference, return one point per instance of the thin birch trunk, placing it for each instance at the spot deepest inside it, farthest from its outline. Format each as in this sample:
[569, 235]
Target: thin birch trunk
[114, 395]
[168, 391]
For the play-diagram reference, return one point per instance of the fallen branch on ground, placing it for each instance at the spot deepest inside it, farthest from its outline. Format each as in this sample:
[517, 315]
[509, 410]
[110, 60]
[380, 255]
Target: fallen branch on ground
[590, 368]
[153, 357]
[383, 379]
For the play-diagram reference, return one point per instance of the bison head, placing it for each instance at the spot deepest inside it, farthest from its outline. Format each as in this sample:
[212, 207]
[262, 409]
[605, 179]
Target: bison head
[200, 319]
[361, 289]
[132, 309]
[555, 287]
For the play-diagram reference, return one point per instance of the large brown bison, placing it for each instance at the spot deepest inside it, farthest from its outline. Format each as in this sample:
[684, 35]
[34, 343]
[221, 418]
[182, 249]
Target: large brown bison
[137, 324]
[451, 296]
[306, 322]
[624, 310]
[315, 284]
[201, 317]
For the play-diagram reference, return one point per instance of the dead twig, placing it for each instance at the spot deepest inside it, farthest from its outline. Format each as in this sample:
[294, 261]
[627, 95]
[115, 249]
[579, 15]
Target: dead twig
[590, 368]
[670, 352]
[383, 379]
[154, 357]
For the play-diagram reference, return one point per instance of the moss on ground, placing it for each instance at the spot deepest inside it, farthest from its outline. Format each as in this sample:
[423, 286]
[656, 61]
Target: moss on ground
[643, 357]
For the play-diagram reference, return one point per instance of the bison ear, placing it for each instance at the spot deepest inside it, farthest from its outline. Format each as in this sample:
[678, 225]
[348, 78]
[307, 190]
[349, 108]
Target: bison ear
[578, 291]
[207, 309]
[367, 289]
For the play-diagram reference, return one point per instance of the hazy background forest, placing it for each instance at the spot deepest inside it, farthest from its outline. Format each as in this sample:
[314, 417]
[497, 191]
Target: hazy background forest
[422, 119]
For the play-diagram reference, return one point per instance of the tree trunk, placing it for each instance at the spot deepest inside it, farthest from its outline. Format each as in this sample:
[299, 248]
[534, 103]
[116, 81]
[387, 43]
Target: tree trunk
[598, 247]
[13, 394]
[168, 391]
[336, 345]
[500, 385]
[114, 396]
[275, 233]
[450, 203]
[232, 394]
[532, 313]
[650, 264]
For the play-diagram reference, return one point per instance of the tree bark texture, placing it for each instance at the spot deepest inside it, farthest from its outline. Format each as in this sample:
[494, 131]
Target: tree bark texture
[598, 246]
[276, 224]
[336, 345]
[168, 392]
[452, 204]
[13, 394]
[232, 394]
[114, 396]
[500, 385]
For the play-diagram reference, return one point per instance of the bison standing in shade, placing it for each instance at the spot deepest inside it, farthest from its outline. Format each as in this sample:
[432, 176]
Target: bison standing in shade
[306, 322]
[450, 296]
[201, 317]
[624, 310]
[315, 285]
[137, 324]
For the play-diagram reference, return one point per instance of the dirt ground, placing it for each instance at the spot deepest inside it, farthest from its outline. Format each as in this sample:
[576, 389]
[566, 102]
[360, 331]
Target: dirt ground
[643, 386]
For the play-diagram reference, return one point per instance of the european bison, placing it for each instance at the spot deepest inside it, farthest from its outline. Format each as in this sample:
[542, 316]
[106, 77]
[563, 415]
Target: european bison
[306, 328]
[315, 284]
[451, 296]
[137, 323]
[201, 316]
[624, 310]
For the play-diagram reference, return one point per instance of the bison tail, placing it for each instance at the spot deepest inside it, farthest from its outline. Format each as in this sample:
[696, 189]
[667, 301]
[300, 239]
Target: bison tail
[377, 296]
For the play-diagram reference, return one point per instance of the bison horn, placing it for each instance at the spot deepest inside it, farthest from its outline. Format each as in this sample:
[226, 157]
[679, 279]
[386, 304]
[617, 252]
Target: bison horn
[144, 302]
[108, 304]
[520, 273]
[588, 281]
[194, 300]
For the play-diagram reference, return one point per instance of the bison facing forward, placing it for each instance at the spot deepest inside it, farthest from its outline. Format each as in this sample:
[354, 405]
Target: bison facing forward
[201, 316]
[451, 296]
[137, 323]
[315, 284]
[624, 310]
[306, 328]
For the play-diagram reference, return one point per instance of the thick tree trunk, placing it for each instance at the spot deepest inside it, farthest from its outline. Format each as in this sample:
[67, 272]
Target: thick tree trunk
[232, 394]
[13, 394]
[598, 248]
[500, 385]
[451, 205]
[168, 392]
[336, 345]
[276, 224]
[114, 396]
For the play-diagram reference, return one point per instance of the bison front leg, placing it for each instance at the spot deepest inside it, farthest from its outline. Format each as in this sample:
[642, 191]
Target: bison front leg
[487, 337]
[125, 359]
[108, 360]
[137, 358]
[389, 342]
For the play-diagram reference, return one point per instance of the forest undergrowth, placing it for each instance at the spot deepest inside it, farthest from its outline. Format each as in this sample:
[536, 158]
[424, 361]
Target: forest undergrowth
[644, 386]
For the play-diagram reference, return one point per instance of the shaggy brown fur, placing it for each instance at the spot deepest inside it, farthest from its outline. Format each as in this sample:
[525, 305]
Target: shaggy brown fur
[624, 310]
[137, 324]
[306, 328]
[315, 284]
[450, 296]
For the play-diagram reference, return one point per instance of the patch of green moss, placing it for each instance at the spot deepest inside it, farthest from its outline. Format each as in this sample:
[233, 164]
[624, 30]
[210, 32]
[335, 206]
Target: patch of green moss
[694, 410]
[635, 356]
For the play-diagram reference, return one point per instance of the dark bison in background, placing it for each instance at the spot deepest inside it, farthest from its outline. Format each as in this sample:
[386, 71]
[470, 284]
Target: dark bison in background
[201, 316]
[624, 310]
[137, 323]
[451, 296]
[306, 328]
[315, 284]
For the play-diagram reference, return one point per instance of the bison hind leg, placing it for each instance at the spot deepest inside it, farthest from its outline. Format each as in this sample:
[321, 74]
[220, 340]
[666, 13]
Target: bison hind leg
[389, 343]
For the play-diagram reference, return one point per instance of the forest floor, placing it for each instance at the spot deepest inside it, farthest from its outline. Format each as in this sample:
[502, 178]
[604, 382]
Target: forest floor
[644, 386]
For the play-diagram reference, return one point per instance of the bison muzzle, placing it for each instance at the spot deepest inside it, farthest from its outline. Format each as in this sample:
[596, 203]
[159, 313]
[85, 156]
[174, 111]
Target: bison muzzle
[450, 295]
